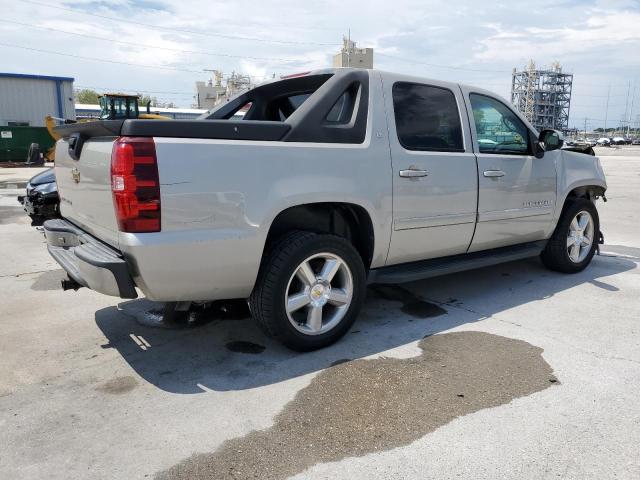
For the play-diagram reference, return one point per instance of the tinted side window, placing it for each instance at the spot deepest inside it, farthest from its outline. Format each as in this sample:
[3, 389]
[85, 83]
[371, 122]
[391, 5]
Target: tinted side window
[499, 130]
[427, 118]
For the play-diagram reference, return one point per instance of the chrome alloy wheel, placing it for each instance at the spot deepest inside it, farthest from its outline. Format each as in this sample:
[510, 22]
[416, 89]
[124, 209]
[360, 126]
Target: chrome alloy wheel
[580, 236]
[319, 293]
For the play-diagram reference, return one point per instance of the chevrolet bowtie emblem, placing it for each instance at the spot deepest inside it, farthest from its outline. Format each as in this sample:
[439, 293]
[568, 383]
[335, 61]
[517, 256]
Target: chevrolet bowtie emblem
[75, 173]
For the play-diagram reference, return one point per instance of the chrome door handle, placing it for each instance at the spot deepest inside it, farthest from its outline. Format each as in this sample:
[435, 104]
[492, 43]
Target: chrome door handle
[493, 173]
[413, 173]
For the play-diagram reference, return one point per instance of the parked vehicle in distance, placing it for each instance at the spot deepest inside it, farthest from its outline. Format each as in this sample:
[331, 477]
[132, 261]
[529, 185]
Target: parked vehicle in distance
[618, 141]
[331, 180]
[41, 200]
[605, 142]
[636, 141]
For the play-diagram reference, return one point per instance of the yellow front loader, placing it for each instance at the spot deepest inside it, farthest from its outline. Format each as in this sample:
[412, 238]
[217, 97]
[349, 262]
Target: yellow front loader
[113, 106]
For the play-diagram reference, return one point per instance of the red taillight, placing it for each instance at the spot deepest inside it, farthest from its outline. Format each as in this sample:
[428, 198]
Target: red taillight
[135, 184]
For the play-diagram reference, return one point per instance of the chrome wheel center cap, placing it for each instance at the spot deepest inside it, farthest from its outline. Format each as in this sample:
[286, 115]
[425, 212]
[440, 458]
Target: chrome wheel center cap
[319, 294]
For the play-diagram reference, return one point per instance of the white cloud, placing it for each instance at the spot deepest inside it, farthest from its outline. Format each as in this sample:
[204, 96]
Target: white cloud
[597, 39]
[601, 30]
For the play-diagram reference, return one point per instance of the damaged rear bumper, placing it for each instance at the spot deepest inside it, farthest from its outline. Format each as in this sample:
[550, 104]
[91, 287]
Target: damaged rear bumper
[88, 262]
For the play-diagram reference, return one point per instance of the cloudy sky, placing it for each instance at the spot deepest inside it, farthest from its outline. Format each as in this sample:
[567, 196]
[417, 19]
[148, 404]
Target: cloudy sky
[162, 47]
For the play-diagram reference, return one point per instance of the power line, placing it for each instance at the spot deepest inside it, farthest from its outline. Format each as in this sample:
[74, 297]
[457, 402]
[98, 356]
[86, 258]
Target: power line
[440, 66]
[159, 67]
[180, 30]
[133, 89]
[142, 45]
[480, 70]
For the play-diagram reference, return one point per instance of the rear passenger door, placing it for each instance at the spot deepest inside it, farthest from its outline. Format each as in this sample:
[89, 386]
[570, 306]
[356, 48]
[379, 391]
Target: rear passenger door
[517, 191]
[434, 170]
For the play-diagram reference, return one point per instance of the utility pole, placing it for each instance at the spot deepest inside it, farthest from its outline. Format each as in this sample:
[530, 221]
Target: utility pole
[626, 105]
[606, 111]
[585, 127]
[633, 98]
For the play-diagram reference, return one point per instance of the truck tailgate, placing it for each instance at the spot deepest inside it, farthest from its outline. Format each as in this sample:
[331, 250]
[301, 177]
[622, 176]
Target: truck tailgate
[84, 186]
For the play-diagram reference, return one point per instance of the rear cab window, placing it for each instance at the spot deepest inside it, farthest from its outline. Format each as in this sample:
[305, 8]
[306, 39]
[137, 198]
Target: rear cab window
[427, 118]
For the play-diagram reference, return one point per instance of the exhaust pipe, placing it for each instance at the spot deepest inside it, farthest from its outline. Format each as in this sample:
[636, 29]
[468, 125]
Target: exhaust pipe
[69, 284]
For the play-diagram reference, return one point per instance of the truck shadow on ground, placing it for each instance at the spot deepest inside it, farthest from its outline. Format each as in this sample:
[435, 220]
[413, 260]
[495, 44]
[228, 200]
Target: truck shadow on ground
[231, 353]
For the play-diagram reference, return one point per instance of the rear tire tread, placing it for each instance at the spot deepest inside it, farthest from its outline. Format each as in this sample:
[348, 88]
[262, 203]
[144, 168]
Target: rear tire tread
[275, 268]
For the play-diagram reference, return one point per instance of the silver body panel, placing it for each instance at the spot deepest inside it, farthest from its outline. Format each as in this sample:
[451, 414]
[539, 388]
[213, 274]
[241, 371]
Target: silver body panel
[89, 202]
[220, 197]
[433, 215]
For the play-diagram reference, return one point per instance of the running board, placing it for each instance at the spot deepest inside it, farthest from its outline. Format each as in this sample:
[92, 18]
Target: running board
[409, 272]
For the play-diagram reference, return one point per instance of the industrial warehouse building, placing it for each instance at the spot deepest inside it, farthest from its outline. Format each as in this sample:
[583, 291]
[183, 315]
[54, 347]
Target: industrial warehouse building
[25, 101]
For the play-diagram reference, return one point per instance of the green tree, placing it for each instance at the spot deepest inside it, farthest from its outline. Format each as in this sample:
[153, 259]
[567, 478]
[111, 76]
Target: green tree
[86, 95]
[154, 102]
[144, 99]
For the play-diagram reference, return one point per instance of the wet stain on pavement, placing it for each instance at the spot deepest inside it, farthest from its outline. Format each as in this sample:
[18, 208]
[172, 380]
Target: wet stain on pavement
[118, 385]
[49, 280]
[240, 346]
[365, 406]
[411, 303]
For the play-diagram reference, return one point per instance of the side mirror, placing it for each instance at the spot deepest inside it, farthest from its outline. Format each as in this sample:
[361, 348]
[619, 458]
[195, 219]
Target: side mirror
[547, 141]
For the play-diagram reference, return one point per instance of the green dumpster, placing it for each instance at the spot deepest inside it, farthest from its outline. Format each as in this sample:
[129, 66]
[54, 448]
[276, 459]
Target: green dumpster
[15, 142]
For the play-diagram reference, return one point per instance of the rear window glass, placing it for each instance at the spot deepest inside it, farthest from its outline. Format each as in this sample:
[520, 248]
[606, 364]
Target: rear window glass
[427, 118]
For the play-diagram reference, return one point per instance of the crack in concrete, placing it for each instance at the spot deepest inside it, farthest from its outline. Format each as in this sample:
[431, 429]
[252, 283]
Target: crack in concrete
[16, 275]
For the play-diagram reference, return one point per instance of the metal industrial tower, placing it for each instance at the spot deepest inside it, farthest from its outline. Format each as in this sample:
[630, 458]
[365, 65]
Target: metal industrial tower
[543, 96]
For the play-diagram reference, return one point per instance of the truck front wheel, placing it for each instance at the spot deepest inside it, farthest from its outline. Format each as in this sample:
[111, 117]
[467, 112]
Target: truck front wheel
[575, 239]
[309, 290]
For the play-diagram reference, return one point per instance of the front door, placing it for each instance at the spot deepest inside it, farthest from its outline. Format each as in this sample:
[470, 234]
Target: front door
[517, 191]
[434, 171]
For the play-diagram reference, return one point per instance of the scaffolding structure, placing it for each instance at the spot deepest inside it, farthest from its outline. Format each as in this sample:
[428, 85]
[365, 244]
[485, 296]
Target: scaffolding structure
[212, 93]
[543, 96]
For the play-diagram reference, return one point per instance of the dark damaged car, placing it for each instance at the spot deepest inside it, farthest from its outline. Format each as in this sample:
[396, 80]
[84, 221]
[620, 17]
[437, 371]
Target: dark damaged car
[41, 200]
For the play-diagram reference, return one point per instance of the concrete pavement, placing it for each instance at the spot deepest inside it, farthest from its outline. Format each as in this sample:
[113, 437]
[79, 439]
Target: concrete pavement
[503, 372]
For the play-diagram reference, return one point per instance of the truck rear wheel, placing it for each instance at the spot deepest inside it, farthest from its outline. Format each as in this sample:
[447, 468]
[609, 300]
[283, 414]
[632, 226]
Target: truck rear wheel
[575, 239]
[309, 290]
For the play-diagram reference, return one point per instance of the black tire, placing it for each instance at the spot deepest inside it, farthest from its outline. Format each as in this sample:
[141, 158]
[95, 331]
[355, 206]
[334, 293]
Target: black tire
[267, 302]
[33, 155]
[555, 255]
